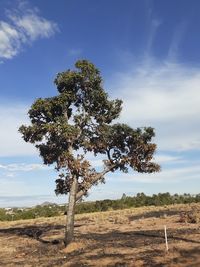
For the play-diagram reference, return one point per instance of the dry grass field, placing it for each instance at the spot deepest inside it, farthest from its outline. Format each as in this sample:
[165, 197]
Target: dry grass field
[132, 237]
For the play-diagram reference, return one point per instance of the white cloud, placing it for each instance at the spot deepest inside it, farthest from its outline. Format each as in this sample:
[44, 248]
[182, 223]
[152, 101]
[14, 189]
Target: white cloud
[171, 175]
[162, 158]
[165, 96]
[11, 143]
[23, 167]
[10, 174]
[33, 26]
[23, 27]
[22, 179]
[9, 40]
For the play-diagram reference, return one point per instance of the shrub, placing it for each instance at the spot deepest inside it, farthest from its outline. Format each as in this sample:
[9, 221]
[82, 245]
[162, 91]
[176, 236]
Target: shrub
[190, 217]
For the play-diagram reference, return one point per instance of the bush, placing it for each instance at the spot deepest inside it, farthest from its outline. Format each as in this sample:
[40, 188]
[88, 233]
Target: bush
[190, 217]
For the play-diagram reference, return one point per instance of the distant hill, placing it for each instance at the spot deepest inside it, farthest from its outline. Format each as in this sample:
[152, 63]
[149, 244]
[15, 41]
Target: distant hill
[47, 203]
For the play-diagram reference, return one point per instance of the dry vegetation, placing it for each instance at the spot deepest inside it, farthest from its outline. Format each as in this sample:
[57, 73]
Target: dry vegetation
[132, 237]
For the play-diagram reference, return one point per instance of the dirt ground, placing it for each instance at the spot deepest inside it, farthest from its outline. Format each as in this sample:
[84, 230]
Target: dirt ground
[132, 237]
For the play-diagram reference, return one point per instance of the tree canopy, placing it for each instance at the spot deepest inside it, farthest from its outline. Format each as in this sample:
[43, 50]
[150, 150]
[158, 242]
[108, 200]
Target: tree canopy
[79, 120]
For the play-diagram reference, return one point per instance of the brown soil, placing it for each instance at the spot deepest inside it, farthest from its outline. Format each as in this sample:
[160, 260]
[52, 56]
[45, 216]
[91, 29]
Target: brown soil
[133, 237]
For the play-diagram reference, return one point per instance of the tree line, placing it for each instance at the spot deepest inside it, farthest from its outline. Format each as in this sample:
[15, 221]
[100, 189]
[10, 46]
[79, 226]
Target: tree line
[124, 202]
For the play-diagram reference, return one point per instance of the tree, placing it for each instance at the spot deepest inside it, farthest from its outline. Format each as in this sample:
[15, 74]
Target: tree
[123, 196]
[78, 120]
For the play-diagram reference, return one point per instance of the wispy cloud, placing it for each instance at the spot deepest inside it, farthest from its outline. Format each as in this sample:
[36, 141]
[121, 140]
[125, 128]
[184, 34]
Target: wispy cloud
[23, 167]
[165, 96]
[26, 179]
[154, 25]
[177, 38]
[165, 158]
[23, 27]
[167, 176]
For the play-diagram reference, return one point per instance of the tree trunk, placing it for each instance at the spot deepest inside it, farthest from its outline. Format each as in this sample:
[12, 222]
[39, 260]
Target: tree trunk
[69, 230]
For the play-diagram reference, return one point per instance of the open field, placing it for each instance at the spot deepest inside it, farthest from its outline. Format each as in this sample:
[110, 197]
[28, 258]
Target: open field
[132, 237]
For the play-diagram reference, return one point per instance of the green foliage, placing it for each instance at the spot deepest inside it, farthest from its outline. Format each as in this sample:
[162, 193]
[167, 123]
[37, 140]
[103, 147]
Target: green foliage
[139, 200]
[79, 119]
[30, 213]
[125, 202]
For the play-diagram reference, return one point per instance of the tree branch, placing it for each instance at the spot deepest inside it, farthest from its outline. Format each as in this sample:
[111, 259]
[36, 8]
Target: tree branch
[95, 179]
[108, 154]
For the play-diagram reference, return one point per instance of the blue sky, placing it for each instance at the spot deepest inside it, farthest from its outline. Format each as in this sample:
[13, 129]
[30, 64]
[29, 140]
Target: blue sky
[148, 54]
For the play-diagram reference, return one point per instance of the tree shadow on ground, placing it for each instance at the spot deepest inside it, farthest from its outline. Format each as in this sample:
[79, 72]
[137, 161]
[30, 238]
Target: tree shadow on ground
[33, 231]
[173, 234]
[100, 243]
[178, 257]
[154, 214]
[37, 231]
[145, 242]
[134, 237]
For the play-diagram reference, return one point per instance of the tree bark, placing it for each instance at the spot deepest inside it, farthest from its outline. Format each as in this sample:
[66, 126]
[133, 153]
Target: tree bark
[69, 230]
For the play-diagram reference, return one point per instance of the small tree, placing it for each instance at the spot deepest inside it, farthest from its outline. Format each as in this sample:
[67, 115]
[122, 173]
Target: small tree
[78, 120]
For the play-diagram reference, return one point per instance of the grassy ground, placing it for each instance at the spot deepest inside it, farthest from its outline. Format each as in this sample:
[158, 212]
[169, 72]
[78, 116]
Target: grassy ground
[132, 237]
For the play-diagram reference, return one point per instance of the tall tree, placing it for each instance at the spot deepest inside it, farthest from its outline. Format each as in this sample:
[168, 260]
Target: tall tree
[78, 120]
